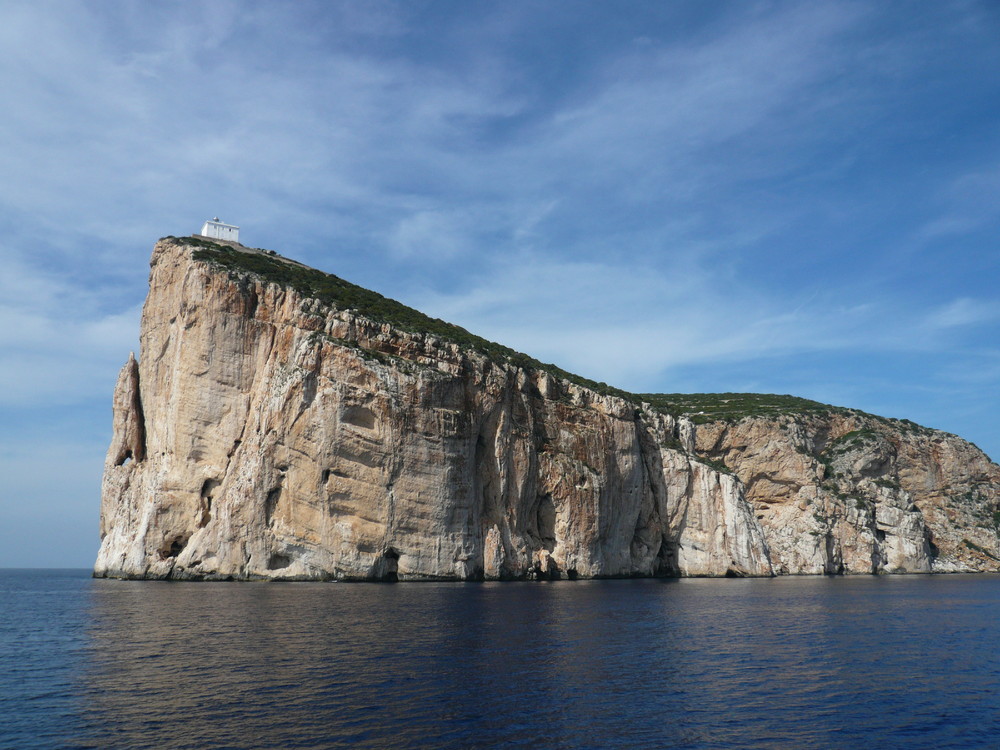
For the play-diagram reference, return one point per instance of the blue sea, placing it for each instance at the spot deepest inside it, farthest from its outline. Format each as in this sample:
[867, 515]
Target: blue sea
[888, 662]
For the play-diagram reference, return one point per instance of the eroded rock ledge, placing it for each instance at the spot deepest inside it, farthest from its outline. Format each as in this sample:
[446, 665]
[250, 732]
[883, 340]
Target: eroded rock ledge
[269, 431]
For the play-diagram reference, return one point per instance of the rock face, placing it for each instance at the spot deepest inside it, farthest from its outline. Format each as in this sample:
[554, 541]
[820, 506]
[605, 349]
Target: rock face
[853, 493]
[265, 433]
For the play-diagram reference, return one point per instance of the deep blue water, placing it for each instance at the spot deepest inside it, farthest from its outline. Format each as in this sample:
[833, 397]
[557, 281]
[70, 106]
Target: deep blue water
[785, 663]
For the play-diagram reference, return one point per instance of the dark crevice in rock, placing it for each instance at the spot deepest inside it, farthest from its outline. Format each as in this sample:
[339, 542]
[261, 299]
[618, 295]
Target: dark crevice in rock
[386, 567]
[358, 416]
[274, 495]
[309, 383]
[545, 522]
[207, 495]
[544, 570]
[271, 502]
[278, 561]
[666, 559]
[174, 547]
[932, 548]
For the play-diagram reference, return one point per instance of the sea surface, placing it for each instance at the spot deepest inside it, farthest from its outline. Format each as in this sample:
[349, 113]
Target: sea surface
[887, 662]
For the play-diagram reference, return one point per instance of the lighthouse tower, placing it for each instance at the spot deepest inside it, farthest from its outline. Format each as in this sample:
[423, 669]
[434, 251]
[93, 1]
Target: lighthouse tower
[219, 231]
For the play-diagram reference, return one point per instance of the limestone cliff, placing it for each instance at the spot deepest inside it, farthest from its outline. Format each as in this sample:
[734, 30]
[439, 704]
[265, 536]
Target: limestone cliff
[281, 423]
[846, 492]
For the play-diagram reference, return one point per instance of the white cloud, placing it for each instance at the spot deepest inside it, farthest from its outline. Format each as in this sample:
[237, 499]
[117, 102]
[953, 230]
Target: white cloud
[964, 312]
[666, 115]
[432, 234]
[57, 343]
[627, 324]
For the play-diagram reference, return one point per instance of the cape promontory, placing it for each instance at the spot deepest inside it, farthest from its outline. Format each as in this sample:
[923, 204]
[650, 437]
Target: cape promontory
[281, 423]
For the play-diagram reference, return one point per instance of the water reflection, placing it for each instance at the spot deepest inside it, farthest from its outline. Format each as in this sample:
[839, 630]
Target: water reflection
[803, 662]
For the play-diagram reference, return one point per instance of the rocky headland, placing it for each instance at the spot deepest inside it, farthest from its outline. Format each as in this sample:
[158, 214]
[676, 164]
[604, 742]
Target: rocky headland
[281, 423]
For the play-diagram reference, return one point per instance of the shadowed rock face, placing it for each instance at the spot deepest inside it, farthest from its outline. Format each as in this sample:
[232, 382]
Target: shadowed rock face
[266, 434]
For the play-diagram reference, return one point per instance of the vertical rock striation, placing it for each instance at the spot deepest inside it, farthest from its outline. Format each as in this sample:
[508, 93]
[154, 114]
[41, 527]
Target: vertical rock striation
[269, 432]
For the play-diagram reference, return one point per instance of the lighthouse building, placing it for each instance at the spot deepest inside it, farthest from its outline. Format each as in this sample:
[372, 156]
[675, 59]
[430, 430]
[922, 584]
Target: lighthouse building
[220, 231]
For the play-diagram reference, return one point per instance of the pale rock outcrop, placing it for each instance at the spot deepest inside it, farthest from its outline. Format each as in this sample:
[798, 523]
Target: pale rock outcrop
[266, 434]
[129, 441]
[848, 492]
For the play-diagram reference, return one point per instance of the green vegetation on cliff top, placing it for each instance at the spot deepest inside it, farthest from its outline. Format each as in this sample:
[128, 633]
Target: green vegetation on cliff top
[726, 407]
[343, 295]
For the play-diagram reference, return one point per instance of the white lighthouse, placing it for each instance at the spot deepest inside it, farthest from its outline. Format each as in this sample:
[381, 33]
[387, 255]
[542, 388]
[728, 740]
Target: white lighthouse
[219, 231]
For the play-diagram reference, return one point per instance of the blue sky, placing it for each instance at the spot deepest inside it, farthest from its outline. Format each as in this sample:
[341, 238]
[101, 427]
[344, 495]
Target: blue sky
[668, 196]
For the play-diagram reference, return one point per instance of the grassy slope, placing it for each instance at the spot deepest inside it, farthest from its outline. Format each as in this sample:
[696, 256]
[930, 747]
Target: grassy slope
[343, 295]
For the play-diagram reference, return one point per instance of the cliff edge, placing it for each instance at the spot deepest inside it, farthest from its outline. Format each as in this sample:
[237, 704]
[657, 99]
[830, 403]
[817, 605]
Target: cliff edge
[282, 423]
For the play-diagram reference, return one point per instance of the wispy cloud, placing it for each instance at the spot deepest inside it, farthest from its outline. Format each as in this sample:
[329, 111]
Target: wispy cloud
[964, 312]
[630, 324]
[58, 345]
[967, 204]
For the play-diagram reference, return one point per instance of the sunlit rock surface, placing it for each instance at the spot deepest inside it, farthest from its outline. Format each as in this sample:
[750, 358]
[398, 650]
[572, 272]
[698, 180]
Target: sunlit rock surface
[267, 434]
